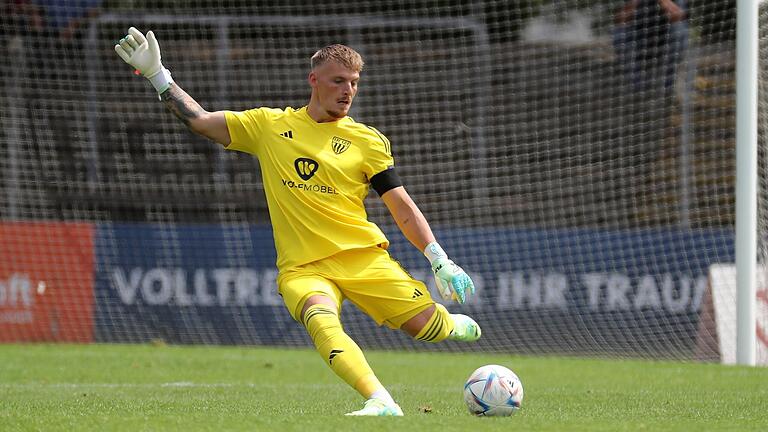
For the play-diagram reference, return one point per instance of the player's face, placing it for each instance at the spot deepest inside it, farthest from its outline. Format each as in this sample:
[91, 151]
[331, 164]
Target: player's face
[333, 89]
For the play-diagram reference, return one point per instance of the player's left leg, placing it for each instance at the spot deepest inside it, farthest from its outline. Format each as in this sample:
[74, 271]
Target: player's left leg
[434, 324]
[383, 290]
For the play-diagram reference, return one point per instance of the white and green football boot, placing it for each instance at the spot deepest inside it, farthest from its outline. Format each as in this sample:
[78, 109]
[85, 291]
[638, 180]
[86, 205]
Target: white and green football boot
[465, 329]
[378, 407]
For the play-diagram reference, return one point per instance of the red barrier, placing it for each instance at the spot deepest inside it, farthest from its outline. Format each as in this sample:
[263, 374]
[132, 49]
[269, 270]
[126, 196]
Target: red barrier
[46, 282]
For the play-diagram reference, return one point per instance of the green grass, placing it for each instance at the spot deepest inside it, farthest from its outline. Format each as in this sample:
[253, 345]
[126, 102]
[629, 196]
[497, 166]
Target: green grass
[140, 387]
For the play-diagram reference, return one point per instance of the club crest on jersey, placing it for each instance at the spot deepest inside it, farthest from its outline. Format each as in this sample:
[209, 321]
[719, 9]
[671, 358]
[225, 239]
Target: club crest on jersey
[340, 145]
[305, 168]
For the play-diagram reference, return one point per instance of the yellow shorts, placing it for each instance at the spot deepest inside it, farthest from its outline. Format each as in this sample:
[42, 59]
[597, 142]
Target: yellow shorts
[369, 278]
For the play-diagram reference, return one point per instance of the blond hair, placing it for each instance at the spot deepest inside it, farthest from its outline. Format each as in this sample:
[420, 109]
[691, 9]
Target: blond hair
[341, 54]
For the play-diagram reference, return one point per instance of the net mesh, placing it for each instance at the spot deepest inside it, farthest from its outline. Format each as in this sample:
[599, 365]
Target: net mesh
[576, 157]
[762, 188]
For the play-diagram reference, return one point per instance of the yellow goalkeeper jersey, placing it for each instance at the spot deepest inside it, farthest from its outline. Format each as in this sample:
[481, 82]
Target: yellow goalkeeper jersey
[316, 176]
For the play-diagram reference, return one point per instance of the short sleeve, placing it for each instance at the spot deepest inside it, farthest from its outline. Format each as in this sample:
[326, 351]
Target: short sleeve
[379, 155]
[245, 129]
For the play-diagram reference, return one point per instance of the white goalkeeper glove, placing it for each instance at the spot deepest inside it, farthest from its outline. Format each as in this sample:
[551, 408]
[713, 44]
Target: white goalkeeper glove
[452, 282]
[143, 53]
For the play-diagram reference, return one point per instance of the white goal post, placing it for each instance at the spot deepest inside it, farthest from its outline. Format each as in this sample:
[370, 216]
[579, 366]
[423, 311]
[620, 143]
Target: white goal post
[747, 41]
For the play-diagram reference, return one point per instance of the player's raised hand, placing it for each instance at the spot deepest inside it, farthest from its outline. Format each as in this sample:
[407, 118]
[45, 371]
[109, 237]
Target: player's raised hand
[143, 54]
[451, 280]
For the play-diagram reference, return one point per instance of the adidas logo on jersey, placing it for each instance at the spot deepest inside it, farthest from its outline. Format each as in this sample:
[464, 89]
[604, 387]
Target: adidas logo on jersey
[287, 134]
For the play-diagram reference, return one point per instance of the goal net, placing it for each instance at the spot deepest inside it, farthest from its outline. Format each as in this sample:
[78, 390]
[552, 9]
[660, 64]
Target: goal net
[575, 157]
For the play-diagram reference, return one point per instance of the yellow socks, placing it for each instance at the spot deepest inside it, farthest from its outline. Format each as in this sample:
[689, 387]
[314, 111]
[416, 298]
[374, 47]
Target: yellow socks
[438, 327]
[346, 359]
[339, 351]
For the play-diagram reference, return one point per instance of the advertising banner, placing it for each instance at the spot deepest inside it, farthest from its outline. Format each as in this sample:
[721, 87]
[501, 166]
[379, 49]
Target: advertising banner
[46, 282]
[189, 284]
[724, 293]
[573, 290]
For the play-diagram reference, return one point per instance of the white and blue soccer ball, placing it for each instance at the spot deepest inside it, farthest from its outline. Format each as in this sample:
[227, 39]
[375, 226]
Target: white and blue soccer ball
[493, 390]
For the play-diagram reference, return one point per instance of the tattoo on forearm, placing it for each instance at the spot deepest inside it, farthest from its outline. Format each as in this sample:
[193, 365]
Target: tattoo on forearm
[181, 104]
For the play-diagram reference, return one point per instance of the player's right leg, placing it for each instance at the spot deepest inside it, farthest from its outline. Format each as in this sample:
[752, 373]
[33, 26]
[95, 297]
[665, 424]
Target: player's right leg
[315, 302]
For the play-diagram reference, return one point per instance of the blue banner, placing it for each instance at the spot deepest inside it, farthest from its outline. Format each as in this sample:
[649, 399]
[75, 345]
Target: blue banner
[538, 290]
[189, 284]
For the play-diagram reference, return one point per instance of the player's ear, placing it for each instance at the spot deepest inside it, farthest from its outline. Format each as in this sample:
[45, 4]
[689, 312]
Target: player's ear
[312, 79]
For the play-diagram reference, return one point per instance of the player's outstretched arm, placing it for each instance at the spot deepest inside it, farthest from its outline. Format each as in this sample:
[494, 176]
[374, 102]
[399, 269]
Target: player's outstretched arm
[143, 54]
[208, 124]
[451, 280]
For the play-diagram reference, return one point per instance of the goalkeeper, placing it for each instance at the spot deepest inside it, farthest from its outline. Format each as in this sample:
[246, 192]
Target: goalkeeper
[318, 164]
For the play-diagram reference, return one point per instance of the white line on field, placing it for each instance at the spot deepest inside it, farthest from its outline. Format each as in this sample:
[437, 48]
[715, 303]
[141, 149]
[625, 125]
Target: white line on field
[179, 384]
[193, 385]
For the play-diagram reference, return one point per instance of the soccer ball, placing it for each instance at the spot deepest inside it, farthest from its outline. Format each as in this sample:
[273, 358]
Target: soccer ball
[493, 390]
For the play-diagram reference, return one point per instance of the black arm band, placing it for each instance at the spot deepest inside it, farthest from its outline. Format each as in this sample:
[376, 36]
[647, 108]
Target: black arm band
[385, 181]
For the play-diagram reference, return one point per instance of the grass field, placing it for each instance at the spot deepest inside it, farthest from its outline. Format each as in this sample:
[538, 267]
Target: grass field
[141, 387]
